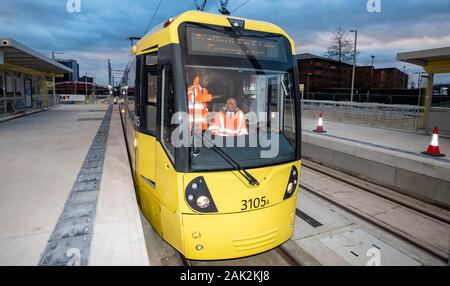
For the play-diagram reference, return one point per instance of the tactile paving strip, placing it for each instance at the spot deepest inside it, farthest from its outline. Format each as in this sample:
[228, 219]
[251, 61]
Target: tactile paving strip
[90, 119]
[70, 241]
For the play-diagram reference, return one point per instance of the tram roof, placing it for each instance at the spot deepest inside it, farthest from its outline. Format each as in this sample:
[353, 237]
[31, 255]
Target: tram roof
[161, 36]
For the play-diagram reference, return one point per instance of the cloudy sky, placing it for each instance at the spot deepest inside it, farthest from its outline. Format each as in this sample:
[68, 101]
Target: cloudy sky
[100, 29]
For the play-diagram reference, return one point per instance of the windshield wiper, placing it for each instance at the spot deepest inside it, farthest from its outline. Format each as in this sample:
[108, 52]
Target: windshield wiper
[251, 180]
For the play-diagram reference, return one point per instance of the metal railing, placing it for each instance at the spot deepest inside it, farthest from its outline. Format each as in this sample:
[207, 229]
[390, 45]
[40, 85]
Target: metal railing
[396, 116]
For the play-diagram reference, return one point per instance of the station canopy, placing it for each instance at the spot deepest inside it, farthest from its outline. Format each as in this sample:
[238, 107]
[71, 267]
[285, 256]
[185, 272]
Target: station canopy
[432, 60]
[18, 54]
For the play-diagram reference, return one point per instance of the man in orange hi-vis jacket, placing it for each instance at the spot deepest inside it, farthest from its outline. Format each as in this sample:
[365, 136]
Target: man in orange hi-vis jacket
[198, 96]
[229, 123]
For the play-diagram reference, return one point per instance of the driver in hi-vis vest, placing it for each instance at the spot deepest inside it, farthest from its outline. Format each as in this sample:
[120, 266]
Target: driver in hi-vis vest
[230, 122]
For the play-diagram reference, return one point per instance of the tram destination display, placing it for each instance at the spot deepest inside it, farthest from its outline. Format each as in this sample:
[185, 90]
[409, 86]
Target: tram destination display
[220, 44]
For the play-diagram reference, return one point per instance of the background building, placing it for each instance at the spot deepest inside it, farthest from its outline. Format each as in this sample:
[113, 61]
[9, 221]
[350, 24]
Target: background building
[318, 73]
[75, 87]
[74, 66]
[86, 79]
[368, 77]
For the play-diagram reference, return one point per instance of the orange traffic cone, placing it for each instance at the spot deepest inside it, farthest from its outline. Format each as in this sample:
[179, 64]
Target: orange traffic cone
[433, 148]
[319, 128]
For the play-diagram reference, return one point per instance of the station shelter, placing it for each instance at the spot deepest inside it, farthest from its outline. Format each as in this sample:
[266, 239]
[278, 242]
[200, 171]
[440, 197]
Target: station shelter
[433, 61]
[26, 78]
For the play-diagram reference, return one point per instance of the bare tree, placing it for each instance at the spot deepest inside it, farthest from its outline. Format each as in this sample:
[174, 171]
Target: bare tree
[341, 50]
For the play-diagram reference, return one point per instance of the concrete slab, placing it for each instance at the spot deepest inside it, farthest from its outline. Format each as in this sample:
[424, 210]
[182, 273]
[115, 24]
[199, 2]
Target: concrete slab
[359, 248]
[327, 216]
[42, 155]
[369, 169]
[42, 160]
[337, 145]
[23, 250]
[320, 252]
[118, 236]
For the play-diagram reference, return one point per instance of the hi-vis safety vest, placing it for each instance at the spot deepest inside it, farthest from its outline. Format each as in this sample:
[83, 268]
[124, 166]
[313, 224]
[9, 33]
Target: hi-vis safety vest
[197, 99]
[229, 124]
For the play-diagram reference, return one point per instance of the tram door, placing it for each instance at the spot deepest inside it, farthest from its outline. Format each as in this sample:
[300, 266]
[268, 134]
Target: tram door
[145, 154]
[146, 164]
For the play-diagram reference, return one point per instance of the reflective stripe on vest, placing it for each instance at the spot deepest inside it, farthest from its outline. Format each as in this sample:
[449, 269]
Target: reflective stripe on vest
[227, 131]
[198, 119]
[197, 106]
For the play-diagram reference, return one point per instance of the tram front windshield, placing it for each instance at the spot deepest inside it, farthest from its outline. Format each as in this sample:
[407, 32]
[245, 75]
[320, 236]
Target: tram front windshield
[240, 93]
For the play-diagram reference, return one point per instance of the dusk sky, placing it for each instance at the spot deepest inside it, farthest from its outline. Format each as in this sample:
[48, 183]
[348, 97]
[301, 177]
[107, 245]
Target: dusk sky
[100, 29]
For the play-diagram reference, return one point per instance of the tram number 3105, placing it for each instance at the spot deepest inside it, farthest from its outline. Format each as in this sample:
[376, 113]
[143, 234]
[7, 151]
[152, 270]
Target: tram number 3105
[255, 203]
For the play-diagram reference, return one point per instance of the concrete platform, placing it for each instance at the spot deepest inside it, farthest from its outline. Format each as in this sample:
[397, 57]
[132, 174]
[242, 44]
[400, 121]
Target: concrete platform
[42, 155]
[387, 157]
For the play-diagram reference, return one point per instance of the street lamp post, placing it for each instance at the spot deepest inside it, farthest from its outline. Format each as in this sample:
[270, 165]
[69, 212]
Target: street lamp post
[354, 64]
[85, 80]
[307, 85]
[403, 81]
[420, 76]
[371, 72]
[114, 71]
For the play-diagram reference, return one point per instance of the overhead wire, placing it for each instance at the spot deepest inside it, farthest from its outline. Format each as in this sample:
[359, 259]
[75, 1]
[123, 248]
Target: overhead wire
[153, 17]
[240, 6]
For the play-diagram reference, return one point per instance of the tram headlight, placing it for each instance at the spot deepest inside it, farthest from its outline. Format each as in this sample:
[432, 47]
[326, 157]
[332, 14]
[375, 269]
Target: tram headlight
[290, 187]
[198, 196]
[203, 202]
[292, 183]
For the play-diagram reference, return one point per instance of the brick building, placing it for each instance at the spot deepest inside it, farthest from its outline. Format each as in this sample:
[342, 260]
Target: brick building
[318, 73]
[323, 72]
[371, 78]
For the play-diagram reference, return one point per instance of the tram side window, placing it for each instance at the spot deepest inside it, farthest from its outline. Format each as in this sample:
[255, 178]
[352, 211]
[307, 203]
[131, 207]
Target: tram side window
[131, 88]
[168, 110]
[152, 83]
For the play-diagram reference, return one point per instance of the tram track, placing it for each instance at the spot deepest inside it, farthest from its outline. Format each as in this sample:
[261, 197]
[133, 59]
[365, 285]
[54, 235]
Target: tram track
[428, 211]
[438, 212]
[278, 252]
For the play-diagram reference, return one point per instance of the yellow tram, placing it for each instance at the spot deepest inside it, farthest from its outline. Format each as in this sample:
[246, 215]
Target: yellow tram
[216, 193]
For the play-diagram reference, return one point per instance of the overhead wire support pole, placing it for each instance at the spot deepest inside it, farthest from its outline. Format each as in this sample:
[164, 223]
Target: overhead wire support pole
[109, 71]
[200, 7]
[109, 78]
[223, 7]
[354, 65]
